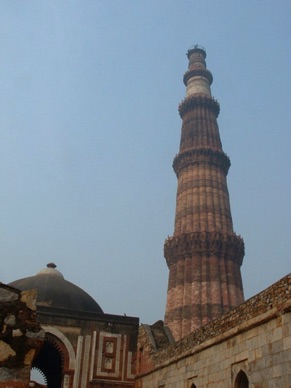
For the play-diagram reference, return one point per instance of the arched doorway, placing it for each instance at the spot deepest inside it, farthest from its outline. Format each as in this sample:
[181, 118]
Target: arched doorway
[50, 362]
[241, 380]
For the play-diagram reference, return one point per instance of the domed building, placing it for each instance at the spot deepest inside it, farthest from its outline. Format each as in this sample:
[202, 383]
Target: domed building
[54, 292]
[82, 343]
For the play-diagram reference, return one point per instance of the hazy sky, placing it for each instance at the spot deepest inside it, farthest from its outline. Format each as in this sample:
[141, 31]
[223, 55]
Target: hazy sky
[89, 128]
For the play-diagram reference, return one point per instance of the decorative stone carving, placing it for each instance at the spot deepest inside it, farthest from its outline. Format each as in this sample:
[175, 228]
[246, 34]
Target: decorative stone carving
[227, 246]
[197, 101]
[200, 157]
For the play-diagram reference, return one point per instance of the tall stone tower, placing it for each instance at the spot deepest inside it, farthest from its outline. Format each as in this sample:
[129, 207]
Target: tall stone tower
[204, 255]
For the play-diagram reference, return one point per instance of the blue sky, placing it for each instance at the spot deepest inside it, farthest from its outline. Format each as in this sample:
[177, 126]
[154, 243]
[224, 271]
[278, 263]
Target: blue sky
[89, 128]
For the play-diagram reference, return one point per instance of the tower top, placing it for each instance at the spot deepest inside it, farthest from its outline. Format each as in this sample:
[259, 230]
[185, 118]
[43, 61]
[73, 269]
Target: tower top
[197, 78]
[196, 48]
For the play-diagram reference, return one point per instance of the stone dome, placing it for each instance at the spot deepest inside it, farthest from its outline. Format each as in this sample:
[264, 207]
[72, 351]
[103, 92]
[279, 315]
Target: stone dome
[56, 292]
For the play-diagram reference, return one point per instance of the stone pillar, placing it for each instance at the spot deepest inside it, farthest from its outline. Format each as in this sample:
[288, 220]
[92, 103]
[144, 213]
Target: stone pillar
[20, 336]
[204, 255]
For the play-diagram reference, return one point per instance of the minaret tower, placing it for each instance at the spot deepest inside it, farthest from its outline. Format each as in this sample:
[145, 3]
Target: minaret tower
[204, 255]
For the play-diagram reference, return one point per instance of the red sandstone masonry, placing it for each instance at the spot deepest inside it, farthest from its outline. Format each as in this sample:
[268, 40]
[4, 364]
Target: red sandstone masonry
[203, 234]
[271, 302]
[14, 384]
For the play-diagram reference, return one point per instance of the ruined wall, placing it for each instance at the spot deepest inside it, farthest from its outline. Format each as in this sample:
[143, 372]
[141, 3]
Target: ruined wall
[254, 337]
[20, 336]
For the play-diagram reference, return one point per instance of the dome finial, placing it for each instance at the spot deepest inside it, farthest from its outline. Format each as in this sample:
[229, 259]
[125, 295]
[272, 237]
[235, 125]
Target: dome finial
[51, 265]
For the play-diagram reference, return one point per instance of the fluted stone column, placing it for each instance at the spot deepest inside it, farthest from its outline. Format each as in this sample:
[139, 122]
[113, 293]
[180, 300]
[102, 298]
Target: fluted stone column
[204, 255]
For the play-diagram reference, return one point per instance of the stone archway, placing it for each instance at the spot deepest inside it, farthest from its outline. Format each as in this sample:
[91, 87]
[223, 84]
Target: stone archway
[50, 362]
[241, 380]
[58, 347]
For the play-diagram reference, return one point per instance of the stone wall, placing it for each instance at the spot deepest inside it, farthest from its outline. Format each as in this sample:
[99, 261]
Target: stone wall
[255, 337]
[20, 336]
